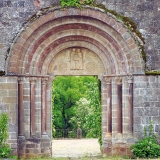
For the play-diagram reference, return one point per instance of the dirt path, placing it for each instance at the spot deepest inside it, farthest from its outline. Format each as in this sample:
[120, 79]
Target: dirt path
[75, 148]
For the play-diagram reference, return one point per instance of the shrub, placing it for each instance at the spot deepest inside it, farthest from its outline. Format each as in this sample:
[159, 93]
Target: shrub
[148, 146]
[4, 148]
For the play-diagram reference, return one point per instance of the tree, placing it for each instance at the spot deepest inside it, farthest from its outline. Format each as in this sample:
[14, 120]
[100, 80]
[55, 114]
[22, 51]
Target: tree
[77, 99]
[66, 92]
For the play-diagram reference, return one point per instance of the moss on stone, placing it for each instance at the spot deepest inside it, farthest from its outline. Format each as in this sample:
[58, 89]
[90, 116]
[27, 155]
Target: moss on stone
[152, 72]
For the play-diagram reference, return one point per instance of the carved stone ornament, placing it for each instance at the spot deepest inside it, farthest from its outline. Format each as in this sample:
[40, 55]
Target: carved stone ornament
[76, 61]
[108, 80]
[130, 79]
[44, 81]
[20, 80]
[32, 80]
[119, 80]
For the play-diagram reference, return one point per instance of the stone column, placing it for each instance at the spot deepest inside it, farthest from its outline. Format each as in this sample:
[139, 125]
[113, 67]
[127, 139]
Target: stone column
[130, 102]
[104, 105]
[119, 105]
[32, 105]
[44, 106]
[20, 107]
[21, 137]
[109, 107]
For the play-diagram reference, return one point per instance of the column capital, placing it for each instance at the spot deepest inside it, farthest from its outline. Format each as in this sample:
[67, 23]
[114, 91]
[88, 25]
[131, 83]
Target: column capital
[130, 79]
[119, 80]
[44, 81]
[108, 80]
[20, 80]
[32, 80]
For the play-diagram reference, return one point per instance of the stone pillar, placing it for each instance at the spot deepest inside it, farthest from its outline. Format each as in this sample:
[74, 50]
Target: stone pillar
[21, 137]
[20, 107]
[109, 107]
[104, 105]
[119, 105]
[44, 106]
[130, 102]
[32, 106]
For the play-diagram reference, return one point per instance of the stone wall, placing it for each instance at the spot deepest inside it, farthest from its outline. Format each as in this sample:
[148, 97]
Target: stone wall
[146, 103]
[9, 104]
[146, 100]
[146, 14]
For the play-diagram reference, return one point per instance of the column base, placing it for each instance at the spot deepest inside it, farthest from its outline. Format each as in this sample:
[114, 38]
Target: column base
[21, 146]
[44, 136]
[108, 135]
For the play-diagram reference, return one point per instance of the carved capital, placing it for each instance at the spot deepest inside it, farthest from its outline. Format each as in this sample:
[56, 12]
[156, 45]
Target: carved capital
[32, 80]
[44, 81]
[20, 80]
[130, 79]
[119, 80]
[51, 77]
[108, 80]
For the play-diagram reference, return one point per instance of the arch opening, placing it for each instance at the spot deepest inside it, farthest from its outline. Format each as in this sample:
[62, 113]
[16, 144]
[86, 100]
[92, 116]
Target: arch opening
[75, 42]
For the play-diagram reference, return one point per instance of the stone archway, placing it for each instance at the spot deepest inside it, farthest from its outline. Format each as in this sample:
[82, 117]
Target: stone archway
[45, 48]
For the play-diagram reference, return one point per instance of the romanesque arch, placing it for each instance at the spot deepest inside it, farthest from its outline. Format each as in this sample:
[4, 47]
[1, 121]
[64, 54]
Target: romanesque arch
[45, 48]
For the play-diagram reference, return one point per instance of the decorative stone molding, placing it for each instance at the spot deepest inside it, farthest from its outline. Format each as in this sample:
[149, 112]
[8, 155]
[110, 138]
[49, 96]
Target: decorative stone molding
[76, 61]
[108, 80]
[44, 81]
[20, 80]
[130, 79]
[119, 80]
[32, 80]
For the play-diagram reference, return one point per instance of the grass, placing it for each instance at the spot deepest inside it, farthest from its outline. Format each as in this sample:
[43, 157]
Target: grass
[87, 158]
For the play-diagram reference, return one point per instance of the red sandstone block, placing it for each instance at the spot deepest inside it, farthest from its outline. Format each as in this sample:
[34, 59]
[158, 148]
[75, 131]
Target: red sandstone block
[84, 12]
[132, 46]
[15, 52]
[122, 30]
[117, 26]
[91, 13]
[17, 46]
[130, 41]
[29, 31]
[112, 22]
[101, 16]
[50, 16]
[24, 35]
[33, 27]
[107, 19]
[116, 47]
[12, 69]
[96, 14]
[13, 58]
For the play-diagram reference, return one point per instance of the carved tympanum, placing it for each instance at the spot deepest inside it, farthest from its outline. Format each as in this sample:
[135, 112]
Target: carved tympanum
[76, 61]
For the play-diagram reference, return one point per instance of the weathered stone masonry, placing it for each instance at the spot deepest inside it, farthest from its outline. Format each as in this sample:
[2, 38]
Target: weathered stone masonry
[43, 49]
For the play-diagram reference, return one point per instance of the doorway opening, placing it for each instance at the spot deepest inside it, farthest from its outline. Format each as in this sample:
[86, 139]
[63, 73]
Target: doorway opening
[76, 114]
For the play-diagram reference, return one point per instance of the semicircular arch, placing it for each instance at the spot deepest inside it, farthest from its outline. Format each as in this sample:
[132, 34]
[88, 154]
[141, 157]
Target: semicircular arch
[46, 36]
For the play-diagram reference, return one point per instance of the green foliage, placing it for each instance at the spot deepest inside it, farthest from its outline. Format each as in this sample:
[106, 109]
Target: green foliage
[152, 72]
[66, 92]
[75, 3]
[5, 151]
[4, 148]
[77, 99]
[147, 147]
[3, 128]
